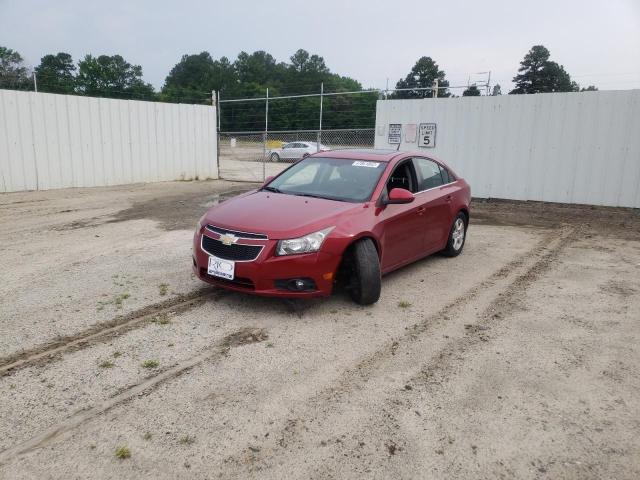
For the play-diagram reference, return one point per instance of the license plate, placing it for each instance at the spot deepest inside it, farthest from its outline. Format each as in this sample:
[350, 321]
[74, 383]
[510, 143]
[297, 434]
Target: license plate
[219, 267]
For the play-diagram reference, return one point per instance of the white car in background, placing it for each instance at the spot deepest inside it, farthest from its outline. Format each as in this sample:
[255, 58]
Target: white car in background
[294, 151]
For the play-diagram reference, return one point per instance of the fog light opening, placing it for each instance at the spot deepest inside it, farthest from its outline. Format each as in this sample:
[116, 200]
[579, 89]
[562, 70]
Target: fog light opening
[296, 284]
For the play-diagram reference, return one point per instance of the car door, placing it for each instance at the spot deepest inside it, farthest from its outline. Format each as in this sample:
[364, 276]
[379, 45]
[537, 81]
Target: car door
[288, 150]
[403, 224]
[434, 198]
[298, 150]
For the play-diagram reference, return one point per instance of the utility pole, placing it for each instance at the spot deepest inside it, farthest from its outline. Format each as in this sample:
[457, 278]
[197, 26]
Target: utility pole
[435, 88]
[35, 82]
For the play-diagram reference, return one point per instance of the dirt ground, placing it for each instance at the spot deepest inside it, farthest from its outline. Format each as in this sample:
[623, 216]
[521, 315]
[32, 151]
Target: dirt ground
[517, 359]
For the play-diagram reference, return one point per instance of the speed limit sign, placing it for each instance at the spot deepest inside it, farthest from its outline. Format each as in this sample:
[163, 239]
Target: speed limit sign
[427, 137]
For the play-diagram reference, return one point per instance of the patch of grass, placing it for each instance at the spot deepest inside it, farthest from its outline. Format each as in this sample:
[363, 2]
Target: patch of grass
[116, 301]
[162, 319]
[147, 436]
[187, 440]
[150, 364]
[119, 299]
[123, 452]
[269, 345]
[403, 304]
[171, 345]
[163, 288]
[117, 354]
[106, 364]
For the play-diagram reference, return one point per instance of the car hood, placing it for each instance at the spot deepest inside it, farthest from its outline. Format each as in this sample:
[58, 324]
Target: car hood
[278, 215]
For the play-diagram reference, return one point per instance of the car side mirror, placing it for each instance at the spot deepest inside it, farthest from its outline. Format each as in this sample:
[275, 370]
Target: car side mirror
[268, 179]
[400, 195]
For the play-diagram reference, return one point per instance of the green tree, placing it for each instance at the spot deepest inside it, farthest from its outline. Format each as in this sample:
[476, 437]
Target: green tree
[538, 74]
[471, 91]
[112, 76]
[56, 73]
[590, 88]
[13, 72]
[194, 78]
[423, 75]
[496, 90]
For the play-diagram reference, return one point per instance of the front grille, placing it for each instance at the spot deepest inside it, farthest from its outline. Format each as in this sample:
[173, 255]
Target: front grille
[224, 231]
[234, 251]
[236, 282]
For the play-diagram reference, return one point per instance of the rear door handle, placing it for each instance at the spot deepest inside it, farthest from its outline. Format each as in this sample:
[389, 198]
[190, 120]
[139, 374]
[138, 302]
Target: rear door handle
[420, 210]
[448, 198]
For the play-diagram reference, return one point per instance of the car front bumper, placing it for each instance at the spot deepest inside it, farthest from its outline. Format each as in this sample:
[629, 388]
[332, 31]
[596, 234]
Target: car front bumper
[267, 273]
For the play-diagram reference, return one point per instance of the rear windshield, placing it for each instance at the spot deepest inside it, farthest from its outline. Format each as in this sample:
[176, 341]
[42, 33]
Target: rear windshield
[331, 178]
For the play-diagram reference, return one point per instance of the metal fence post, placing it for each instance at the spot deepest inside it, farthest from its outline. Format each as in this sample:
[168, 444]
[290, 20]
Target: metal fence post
[266, 130]
[215, 100]
[319, 139]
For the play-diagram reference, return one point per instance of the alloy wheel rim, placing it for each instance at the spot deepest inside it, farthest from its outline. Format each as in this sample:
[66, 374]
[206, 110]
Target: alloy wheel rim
[458, 234]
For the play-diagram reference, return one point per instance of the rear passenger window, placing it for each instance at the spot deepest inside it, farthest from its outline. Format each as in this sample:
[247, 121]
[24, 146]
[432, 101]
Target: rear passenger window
[446, 178]
[429, 173]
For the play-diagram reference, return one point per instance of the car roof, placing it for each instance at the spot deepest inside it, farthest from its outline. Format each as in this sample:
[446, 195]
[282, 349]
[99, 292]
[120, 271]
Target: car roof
[374, 154]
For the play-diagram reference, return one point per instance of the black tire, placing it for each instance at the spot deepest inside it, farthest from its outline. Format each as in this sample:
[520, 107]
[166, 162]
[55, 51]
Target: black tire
[365, 282]
[274, 157]
[454, 245]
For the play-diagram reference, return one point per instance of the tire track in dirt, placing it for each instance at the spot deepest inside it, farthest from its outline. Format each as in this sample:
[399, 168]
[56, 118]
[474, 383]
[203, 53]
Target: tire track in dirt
[104, 331]
[243, 336]
[518, 275]
[443, 364]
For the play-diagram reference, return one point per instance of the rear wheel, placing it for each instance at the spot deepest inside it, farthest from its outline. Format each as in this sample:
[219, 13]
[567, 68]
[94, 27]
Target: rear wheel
[274, 157]
[457, 236]
[365, 281]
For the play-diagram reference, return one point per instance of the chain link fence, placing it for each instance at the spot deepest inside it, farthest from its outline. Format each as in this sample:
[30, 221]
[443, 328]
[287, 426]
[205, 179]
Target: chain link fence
[253, 156]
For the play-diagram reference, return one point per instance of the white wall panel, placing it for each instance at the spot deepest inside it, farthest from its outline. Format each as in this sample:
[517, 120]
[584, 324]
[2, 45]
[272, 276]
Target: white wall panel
[559, 147]
[58, 141]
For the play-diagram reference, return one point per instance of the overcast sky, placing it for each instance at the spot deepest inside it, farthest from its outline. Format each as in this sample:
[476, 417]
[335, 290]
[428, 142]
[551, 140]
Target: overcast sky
[598, 42]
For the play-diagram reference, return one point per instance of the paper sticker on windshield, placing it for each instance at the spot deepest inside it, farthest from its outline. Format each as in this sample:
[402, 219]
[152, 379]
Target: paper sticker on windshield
[359, 163]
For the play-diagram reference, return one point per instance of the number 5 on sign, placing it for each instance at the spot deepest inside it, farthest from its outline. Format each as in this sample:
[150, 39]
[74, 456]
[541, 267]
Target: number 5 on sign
[427, 137]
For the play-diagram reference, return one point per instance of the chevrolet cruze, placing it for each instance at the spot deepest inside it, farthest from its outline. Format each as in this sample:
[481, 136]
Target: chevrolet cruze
[337, 216]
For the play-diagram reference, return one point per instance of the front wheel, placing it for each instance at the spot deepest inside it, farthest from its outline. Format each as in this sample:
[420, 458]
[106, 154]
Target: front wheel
[274, 157]
[365, 273]
[457, 236]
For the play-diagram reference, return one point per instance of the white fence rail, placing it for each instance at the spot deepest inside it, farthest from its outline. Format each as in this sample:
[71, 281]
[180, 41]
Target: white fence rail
[556, 147]
[57, 141]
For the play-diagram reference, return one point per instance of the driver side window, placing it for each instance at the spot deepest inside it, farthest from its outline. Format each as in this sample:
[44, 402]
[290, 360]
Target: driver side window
[403, 176]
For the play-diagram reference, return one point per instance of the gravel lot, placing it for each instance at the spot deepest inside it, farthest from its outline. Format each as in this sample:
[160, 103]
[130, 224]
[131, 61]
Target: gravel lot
[517, 359]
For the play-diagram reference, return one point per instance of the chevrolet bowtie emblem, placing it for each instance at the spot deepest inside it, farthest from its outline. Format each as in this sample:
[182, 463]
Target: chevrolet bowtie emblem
[228, 239]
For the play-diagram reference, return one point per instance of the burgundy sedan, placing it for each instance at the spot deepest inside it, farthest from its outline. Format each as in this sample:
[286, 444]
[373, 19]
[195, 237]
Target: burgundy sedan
[346, 216]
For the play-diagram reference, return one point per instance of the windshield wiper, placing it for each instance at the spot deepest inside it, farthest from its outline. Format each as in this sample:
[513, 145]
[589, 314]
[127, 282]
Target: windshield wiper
[271, 189]
[312, 195]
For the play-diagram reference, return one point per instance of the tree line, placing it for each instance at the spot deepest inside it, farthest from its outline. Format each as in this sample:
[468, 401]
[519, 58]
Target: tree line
[195, 76]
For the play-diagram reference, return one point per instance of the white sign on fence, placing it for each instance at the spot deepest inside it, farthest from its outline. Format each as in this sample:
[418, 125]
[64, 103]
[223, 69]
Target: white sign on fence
[395, 133]
[427, 135]
[410, 132]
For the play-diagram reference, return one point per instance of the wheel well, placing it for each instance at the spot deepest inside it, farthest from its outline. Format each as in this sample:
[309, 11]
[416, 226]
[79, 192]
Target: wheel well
[466, 215]
[344, 263]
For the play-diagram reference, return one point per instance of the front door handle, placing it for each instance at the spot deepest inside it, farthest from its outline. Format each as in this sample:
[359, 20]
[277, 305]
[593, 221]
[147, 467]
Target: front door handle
[420, 211]
[448, 198]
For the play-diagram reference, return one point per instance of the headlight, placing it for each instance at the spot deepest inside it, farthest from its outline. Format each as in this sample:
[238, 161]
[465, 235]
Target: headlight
[307, 244]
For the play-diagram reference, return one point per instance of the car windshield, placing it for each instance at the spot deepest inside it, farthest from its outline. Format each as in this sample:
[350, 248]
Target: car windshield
[331, 178]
